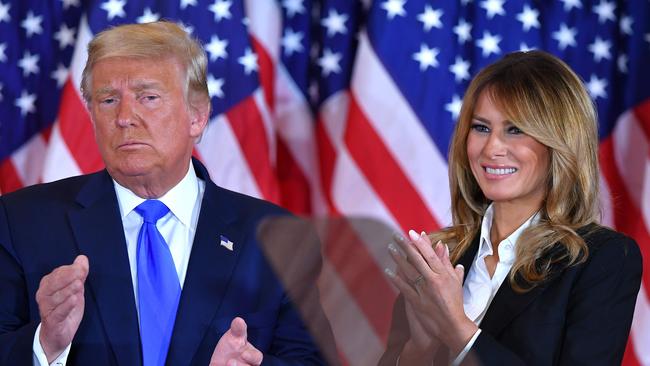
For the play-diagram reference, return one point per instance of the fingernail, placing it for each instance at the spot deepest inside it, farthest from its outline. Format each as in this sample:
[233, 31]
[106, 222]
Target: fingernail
[392, 248]
[423, 234]
[398, 237]
[461, 266]
[389, 272]
[413, 235]
[447, 249]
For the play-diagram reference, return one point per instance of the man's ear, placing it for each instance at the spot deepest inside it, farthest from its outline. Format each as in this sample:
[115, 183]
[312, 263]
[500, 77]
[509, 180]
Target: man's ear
[199, 115]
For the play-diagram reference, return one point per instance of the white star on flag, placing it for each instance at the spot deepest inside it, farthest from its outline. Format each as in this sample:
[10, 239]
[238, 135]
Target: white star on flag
[329, 62]
[460, 69]
[626, 24]
[217, 48]
[430, 18]
[215, 86]
[463, 31]
[249, 61]
[3, 56]
[394, 8]
[148, 17]
[292, 42]
[493, 7]
[427, 57]
[596, 87]
[221, 10]
[621, 63]
[453, 107]
[186, 3]
[29, 63]
[65, 36]
[26, 103]
[605, 11]
[32, 24]
[60, 75]
[600, 49]
[69, 3]
[335, 23]
[293, 7]
[4, 12]
[114, 8]
[528, 18]
[565, 36]
[570, 4]
[489, 44]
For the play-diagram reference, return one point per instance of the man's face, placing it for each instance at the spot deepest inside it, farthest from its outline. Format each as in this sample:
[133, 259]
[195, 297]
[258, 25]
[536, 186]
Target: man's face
[144, 126]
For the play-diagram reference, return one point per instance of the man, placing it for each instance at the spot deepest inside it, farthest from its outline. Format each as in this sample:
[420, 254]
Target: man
[147, 262]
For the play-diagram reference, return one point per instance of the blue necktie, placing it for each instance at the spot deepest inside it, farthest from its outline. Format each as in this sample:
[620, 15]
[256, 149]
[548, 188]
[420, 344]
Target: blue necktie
[158, 287]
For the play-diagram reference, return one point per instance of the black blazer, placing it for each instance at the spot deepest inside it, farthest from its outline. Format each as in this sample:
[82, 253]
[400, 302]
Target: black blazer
[45, 226]
[580, 316]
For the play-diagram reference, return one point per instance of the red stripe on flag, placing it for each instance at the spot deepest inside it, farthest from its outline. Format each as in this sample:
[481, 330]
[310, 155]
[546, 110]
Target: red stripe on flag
[247, 124]
[384, 174]
[364, 280]
[629, 358]
[327, 161]
[294, 186]
[642, 114]
[77, 131]
[9, 178]
[266, 73]
[627, 216]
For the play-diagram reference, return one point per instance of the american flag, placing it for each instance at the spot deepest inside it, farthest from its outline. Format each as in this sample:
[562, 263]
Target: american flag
[340, 107]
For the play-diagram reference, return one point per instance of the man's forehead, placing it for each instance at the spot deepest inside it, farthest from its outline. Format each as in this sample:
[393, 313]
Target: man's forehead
[135, 72]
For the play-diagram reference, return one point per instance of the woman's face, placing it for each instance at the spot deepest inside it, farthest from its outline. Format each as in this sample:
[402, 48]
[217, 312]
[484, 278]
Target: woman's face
[509, 166]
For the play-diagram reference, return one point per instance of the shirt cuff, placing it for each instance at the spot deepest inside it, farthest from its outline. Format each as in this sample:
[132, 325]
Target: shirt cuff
[39, 357]
[468, 346]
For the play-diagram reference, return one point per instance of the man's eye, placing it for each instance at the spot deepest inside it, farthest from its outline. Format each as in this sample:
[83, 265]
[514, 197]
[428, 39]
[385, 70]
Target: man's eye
[108, 101]
[479, 127]
[150, 98]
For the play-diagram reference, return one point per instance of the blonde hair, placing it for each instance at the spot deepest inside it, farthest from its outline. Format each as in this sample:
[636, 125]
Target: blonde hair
[544, 98]
[156, 40]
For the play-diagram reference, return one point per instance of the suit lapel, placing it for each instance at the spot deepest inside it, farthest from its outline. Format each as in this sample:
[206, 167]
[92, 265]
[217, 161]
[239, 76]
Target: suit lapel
[100, 236]
[208, 273]
[507, 304]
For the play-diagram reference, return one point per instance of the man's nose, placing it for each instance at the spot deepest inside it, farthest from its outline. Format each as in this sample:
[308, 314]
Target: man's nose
[125, 113]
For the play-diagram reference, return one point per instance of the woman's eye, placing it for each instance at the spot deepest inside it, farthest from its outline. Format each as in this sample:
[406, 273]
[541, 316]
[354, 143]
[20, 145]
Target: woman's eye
[479, 127]
[515, 130]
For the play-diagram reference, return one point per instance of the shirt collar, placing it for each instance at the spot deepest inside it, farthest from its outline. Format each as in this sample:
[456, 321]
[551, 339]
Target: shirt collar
[180, 199]
[508, 245]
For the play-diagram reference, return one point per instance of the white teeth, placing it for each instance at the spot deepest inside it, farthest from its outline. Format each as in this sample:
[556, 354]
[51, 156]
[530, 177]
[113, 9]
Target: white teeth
[500, 171]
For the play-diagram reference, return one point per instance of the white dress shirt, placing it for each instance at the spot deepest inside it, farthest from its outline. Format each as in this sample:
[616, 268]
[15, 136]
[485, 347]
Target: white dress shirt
[177, 227]
[479, 288]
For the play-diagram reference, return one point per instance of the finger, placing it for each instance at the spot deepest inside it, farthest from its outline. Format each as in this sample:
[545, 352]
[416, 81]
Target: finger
[423, 256]
[75, 288]
[252, 355]
[62, 312]
[238, 328]
[62, 276]
[403, 265]
[406, 289]
[460, 272]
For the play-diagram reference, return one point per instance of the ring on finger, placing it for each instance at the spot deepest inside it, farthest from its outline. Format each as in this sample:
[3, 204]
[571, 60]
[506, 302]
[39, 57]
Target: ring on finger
[417, 281]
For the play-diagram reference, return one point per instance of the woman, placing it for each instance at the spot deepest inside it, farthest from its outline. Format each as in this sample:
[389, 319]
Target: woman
[545, 284]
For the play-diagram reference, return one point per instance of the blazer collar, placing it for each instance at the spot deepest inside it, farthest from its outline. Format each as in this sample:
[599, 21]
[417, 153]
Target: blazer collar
[507, 304]
[99, 234]
[209, 270]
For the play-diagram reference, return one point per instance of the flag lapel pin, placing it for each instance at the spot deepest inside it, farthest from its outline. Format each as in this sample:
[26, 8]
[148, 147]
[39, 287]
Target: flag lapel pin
[226, 243]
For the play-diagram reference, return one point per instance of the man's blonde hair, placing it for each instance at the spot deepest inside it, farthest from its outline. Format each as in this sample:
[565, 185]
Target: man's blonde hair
[155, 41]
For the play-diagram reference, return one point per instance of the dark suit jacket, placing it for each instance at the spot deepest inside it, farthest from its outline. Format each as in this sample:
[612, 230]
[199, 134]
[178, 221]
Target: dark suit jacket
[46, 226]
[580, 316]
